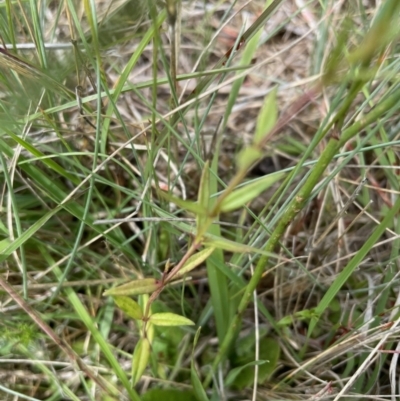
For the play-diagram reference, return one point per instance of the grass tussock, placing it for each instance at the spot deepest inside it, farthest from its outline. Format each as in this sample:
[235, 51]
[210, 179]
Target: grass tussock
[199, 200]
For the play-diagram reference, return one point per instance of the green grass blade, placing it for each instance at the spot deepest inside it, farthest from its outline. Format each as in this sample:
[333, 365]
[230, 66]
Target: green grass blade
[124, 77]
[98, 338]
[353, 264]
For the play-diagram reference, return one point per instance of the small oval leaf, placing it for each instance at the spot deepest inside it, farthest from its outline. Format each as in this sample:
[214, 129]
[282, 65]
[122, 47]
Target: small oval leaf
[129, 307]
[169, 319]
[135, 287]
[140, 359]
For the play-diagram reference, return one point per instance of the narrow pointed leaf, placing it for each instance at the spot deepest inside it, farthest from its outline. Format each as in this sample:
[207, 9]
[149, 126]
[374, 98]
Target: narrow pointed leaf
[232, 246]
[129, 307]
[184, 204]
[248, 192]
[203, 195]
[5, 243]
[135, 287]
[267, 117]
[247, 157]
[169, 319]
[14, 245]
[47, 161]
[198, 388]
[150, 331]
[140, 359]
[234, 373]
[195, 261]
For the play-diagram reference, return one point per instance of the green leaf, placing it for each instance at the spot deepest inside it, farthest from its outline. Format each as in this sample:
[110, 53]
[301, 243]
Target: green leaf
[125, 73]
[353, 264]
[199, 391]
[269, 354]
[169, 319]
[104, 344]
[302, 315]
[184, 204]
[232, 246]
[157, 394]
[48, 162]
[226, 244]
[150, 330]
[135, 287]
[267, 117]
[249, 191]
[195, 260]
[129, 307]
[234, 373]
[286, 321]
[140, 359]
[14, 245]
[247, 157]
[383, 30]
[203, 196]
[4, 244]
[182, 227]
[336, 54]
